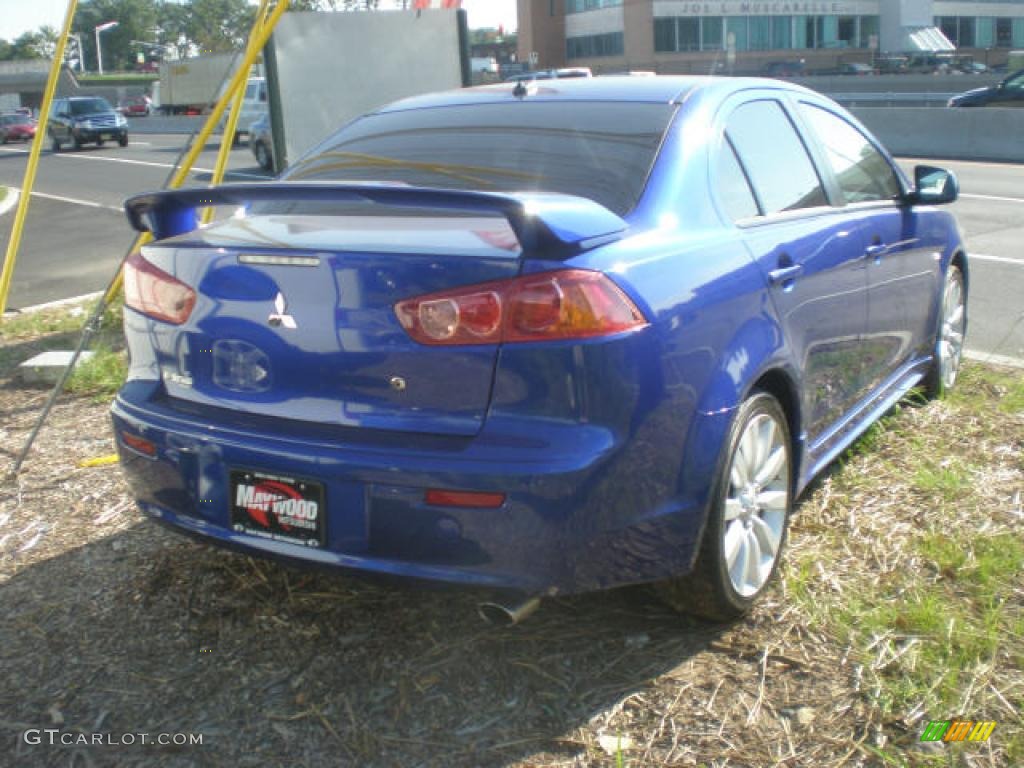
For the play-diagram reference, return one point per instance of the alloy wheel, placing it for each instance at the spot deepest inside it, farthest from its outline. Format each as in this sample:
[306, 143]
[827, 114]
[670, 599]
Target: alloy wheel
[951, 333]
[756, 504]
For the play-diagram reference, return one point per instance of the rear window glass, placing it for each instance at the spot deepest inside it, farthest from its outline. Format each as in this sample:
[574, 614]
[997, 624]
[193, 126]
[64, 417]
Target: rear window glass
[599, 150]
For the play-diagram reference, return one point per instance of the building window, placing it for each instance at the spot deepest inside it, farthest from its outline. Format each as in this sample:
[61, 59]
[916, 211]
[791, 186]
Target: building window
[868, 30]
[579, 6]
[760, 33]
[712, 33]
[665, 35]
[592, 46]
[1004, 33]
[782, 32]
[736, 32]
[847, 31]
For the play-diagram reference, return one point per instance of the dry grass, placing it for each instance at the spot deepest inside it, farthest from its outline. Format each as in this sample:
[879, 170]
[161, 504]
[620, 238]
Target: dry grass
[901, 601]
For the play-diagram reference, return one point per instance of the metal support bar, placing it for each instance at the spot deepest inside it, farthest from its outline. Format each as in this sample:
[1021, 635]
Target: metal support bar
[33, 159]
[183, 165]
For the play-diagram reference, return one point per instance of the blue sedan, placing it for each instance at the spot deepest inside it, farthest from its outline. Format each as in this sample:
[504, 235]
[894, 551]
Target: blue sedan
[545, 338]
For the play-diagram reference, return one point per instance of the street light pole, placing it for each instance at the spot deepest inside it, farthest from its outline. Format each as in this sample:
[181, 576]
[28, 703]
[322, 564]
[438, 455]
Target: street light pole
[99, 51]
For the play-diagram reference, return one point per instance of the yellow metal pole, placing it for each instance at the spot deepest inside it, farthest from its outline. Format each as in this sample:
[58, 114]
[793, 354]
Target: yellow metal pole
[228, 137]
[33, 159]
[257, 40]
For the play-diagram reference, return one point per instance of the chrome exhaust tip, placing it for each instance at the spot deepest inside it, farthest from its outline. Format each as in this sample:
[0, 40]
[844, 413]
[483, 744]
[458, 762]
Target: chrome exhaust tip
[501, 615]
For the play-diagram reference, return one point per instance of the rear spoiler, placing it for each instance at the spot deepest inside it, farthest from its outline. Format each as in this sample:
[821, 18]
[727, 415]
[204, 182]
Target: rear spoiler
[544, 223]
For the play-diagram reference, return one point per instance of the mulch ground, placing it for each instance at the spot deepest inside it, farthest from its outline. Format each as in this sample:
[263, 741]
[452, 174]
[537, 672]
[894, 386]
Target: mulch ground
[110, 625]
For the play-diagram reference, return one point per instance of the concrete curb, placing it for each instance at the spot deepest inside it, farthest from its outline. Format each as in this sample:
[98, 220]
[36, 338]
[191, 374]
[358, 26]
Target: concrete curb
[54, 304]
[10, 200]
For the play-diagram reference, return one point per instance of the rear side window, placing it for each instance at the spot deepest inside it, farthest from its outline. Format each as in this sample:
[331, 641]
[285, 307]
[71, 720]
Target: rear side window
[861, 171]
[737, 198]
[774, 157]
[599, 150]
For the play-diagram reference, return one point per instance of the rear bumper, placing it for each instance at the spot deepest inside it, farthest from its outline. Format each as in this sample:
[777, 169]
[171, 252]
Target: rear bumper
[583, 510]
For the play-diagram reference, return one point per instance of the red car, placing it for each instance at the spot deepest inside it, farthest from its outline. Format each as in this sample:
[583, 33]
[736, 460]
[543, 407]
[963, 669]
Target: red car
[17, 127]
[139, 106]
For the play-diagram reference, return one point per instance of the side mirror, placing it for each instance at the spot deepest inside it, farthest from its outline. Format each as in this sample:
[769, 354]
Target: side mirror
[934, 186]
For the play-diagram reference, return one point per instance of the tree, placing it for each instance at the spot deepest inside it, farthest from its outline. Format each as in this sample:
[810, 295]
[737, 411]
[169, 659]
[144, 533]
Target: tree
[136, 19]
[220, 26]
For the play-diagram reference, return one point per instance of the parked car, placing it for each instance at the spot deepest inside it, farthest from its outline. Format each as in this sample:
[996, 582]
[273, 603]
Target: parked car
[17, 127]
[856, 68]
[1009, 92]
[254, 106]
[85, 120]
[784, 69]
[545, 342]
[971, 67]
[261, 142]
[137, 106]
[550, 74]
[892, 64]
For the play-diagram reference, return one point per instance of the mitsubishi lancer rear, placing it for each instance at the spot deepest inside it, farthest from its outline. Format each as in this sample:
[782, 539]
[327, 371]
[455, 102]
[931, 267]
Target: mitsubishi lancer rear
[389, 359]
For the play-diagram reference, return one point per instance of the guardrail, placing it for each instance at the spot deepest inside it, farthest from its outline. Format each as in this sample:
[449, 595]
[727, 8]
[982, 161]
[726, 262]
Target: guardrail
[979, 133]
[892, 99]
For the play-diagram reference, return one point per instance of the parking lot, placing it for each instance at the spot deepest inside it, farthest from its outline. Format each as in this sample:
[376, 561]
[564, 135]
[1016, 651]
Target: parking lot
[76, 230]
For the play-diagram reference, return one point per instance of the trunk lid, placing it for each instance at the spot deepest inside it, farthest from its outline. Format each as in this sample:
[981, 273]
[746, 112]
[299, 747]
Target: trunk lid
[295, 318]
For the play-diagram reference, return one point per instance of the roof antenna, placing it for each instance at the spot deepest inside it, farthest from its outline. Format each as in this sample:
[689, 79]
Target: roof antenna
[520, 90]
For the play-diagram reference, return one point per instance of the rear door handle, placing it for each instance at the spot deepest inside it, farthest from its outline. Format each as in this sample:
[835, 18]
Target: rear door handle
[784, 274]
[875, 250]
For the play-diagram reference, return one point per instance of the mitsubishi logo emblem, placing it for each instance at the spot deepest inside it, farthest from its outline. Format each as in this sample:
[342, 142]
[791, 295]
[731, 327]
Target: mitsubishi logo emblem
[280, 318]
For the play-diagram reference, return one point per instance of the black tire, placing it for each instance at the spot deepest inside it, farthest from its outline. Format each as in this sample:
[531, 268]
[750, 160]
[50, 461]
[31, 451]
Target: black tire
[76, 142]
[949, 336]
[709, 591]
[100, 142]
[123, 141]
[55, 144]
[263, 156]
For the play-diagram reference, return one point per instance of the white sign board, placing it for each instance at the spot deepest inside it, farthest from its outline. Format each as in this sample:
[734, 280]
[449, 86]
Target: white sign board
[334, 67]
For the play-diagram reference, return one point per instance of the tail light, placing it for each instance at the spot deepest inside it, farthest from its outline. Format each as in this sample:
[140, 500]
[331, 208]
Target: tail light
[153, 292]
[565, 304]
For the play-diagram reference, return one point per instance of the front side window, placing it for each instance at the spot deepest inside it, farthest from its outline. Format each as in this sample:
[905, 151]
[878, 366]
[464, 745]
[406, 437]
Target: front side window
[598, 150]
[774, 157]
[861, 171]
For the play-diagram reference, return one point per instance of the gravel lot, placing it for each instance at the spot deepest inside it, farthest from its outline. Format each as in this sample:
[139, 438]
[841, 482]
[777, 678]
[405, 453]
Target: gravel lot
[112, 626]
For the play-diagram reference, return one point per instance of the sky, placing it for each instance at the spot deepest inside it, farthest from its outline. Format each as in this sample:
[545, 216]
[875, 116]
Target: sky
[21, 16]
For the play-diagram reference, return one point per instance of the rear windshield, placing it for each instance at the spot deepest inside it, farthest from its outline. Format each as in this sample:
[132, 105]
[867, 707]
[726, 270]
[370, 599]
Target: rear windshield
[598, 150]
[89, 106]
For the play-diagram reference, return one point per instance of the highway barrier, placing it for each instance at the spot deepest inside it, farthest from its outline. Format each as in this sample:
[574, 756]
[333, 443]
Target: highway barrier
[975, 133]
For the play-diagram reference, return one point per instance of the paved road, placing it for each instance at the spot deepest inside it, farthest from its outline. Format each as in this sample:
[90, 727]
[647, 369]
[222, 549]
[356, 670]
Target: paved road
[991, 214]
[76, 232]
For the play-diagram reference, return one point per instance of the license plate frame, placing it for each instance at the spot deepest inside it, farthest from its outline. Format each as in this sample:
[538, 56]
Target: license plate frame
[278, 507]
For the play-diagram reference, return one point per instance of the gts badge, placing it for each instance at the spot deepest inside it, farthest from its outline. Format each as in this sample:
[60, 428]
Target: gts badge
[280, 318]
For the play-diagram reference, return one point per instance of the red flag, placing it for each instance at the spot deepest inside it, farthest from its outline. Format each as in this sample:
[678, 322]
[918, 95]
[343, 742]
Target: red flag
[419, 5]
[451, 3]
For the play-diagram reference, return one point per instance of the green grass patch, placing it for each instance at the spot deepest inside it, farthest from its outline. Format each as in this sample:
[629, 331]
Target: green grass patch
[950, 482]
[919, 522]
[101, 375]
[24, 335]
[1001, 386]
